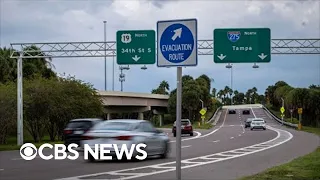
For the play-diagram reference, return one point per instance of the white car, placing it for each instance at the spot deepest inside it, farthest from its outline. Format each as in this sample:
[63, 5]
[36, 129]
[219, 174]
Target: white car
[125, 131]
[258, 123]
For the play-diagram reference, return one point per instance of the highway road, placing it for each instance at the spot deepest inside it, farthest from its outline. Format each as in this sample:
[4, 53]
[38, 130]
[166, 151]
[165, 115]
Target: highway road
[228, 151]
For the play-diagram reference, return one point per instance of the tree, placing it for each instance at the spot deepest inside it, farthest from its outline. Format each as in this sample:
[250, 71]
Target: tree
[32, 67]
[214, 92]
[50, 104]
[163, 88]
[8, 113]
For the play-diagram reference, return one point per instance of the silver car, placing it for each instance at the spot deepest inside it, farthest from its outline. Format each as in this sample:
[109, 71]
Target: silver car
[128, 131]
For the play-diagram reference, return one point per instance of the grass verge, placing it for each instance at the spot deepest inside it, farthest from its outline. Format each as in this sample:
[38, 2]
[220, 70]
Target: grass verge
[302, 168]
[10, 147]
[12, 142]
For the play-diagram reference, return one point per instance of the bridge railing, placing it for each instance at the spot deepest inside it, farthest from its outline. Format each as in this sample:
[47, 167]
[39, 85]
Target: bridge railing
[214, 117]
[279, 120]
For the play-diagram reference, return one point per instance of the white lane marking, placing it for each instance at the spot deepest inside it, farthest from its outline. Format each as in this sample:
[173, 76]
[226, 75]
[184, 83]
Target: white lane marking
[195, 137]
[199, 134]
[1, 169]
[185, 146]
[282, 137]
[239, 135]
[224, 120]
[253, 113]
[216, 141]
[231, 125]
[231, 137]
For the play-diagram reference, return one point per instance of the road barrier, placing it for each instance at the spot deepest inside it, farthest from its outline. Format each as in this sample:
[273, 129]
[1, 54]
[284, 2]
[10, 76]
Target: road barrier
[279, 120]
[214, 117]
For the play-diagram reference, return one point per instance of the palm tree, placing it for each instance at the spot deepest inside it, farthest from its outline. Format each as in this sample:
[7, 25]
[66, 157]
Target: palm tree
[214, 91]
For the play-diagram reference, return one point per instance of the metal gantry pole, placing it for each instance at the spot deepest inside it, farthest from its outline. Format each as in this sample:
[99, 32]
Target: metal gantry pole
[20, 102]
[105, 55]
[112, 73]
[178, 123]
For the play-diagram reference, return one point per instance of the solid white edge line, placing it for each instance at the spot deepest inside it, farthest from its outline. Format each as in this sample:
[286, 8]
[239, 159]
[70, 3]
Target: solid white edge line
[199, 164]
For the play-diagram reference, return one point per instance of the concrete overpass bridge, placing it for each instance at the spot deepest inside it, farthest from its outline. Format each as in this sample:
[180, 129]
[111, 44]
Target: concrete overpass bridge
[129, 102]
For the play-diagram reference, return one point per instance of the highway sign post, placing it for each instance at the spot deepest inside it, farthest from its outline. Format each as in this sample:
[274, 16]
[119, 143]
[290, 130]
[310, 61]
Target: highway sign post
[203, 111]
[282, 115]
[250, 45]
[136, 47]
[300, 118]
[177, 46]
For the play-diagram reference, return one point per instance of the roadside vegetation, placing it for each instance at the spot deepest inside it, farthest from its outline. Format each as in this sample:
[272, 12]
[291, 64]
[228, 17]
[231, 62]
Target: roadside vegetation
[302, 168]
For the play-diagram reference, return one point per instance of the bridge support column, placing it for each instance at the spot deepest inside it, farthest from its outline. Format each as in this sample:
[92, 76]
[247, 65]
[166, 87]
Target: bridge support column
[108, 116]
[160, 119]
[140, 115]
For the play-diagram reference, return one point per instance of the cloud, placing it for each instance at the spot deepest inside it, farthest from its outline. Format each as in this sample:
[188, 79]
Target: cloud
[82, 20]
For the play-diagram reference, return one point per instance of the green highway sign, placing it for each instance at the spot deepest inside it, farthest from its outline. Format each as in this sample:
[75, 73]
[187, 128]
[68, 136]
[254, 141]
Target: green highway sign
[251, 45]
[136, 47]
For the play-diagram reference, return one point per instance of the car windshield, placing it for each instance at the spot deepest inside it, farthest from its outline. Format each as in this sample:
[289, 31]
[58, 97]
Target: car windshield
[183, 122]
[118, 126]
[258, 120]
[79, 124]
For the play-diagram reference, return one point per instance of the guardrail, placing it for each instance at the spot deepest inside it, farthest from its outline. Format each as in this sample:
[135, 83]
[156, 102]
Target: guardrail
[215, 114]
[279, 120]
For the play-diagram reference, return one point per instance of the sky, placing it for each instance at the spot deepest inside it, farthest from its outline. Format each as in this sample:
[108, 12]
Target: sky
[23, 21]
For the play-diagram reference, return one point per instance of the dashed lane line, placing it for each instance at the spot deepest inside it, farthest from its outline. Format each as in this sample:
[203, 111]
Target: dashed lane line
[231, 137]
[185, 146]
[216, 141]
[282, 137]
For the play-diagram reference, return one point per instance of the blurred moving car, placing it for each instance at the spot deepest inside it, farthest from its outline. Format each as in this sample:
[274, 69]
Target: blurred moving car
[258, 123]
[76, 128]
[247, 123]
[232, 111]
[128, 131]
[186, 127]
[246, 111]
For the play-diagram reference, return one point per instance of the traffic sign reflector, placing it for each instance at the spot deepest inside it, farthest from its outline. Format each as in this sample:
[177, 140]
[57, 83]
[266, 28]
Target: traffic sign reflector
[203, 112]
[282, 110]
[299, 110]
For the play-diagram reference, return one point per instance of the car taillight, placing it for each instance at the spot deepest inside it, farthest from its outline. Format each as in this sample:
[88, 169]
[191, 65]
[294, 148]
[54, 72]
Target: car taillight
[88, 137]
[188, 127]
[67, 131]
[123, 138]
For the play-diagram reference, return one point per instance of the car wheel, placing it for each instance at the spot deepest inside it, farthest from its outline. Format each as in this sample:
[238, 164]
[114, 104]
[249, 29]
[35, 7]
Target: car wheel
[264, 128]
[191, 134]
[165, 153]
[251, 129]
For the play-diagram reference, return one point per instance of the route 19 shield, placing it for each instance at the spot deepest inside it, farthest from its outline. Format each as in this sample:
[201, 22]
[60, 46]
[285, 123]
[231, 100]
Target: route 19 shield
[234, 36]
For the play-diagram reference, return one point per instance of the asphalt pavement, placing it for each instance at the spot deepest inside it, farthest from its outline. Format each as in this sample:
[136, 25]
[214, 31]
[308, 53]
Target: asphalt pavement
[227, 151]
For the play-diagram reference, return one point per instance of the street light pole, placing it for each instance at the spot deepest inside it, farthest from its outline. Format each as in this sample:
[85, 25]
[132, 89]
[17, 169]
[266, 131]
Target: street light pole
[105, 55]
[231, 84]
[229, 66]
[201, 103]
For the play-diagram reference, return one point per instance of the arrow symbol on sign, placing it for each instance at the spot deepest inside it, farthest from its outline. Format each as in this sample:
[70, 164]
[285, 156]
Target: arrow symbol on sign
[221, 57]
[177, 33]
[136, 58]
[262, 56]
